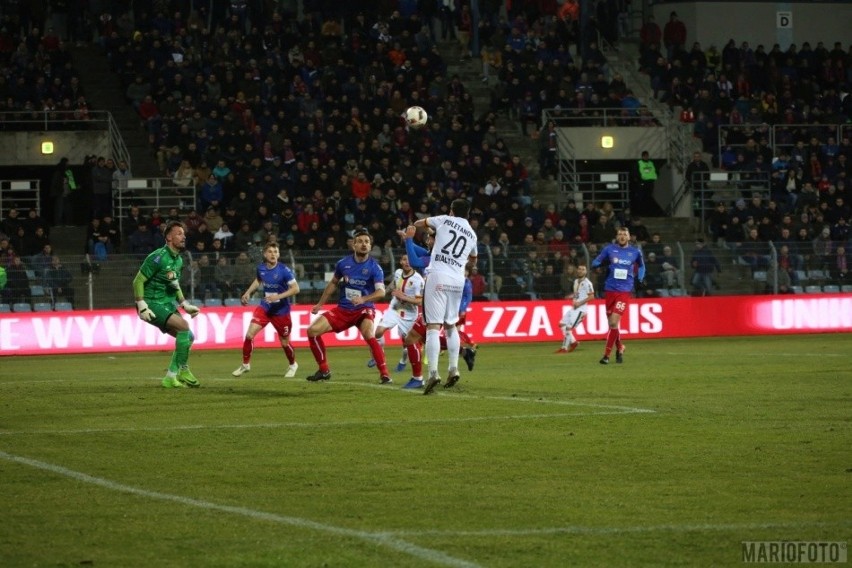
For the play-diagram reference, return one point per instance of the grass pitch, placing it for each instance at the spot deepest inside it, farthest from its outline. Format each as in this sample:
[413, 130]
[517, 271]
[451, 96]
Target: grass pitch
[671, 459]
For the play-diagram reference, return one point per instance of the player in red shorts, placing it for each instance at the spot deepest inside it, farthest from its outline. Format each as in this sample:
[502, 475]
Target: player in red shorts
[279, 285]
[619, 258]
[359, 281]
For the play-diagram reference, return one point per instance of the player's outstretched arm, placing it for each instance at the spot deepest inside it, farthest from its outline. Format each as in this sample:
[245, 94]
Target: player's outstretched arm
[329, 289]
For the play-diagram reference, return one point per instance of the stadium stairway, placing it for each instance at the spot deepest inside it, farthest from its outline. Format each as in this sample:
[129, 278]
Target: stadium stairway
[527, 147]
[104, 92]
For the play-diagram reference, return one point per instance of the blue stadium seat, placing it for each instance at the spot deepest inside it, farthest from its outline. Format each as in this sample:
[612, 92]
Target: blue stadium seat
[831, 289]
[254, 302]
[846, 288]
[797, 289]
[42, 307]
[5, 308]
[63, 307]
[759, 276]
[662, 293]
[817, 275]
[676, 292]
[21, 307]
[232, 302]
[213, 303]
[30, 275]
[37, 291]
[813, 290]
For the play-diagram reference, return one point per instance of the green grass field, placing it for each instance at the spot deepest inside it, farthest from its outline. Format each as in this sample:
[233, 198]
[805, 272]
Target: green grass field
[671, 459]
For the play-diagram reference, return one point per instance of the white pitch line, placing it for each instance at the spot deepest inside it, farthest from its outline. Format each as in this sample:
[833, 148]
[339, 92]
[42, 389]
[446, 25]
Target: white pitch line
[314, 425]
[380, 538]
[579, 530]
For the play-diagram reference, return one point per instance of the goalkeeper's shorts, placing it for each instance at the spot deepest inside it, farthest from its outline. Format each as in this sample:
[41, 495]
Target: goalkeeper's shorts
[162, 312]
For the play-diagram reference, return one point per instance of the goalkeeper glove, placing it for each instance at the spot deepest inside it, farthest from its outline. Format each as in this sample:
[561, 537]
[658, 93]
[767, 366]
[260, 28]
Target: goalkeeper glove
[191, 309]
[144, 311]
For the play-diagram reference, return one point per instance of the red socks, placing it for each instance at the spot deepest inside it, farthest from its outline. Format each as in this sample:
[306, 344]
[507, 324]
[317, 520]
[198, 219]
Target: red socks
[416, 359]
[318, 349]
[611, 338]
[378, 356]
[248, 347]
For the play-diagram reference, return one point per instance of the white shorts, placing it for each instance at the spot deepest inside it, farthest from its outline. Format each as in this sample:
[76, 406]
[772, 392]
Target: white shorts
[442, 298]
[572, 318]
[392, 319]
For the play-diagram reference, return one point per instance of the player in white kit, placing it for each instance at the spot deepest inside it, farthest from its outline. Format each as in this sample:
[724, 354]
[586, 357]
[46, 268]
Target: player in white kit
[402, 312]
[454, 249]
[583, 292]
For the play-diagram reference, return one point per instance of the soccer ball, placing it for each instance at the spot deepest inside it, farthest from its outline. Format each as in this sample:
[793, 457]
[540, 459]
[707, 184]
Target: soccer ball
[416, 117]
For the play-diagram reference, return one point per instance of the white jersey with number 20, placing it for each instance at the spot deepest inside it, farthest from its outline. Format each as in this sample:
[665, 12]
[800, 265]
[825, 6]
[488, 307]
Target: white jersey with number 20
[455, 242]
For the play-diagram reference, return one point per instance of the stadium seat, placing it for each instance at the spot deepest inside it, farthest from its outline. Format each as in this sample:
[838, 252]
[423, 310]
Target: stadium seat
[797, 289]
[760, 276]
[37, 291]
[42, 307]
[305, 285]
[232, 302]
[254, 302]
[318, 285]
[816, 275]
[846, 288]
[197, 303]
[212, 303]
[831, 289]
[662, 293]
[63, 307]
[801, 275]
[813, 290]
[30, 275]
[5, 308]
[676, 292]
[21, 307]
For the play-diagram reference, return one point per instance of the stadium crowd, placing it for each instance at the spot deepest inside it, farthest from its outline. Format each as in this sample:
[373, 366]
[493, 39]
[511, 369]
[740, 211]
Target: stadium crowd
[291, 130]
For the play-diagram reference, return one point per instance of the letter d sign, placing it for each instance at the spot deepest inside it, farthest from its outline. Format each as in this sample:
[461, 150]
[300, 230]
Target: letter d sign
[784, 20]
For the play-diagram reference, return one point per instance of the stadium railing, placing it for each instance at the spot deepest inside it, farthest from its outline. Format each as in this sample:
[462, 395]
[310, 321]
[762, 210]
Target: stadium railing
[107, 284]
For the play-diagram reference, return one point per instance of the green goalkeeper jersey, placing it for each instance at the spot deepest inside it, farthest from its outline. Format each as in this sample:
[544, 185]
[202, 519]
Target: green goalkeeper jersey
[162, 270]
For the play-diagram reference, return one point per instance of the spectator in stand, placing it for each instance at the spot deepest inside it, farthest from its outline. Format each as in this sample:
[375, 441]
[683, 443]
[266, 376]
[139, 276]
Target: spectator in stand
[642, 198]
[547, 285]
[697, 176]
[206, 285]
[671, 271]
[34, 242]
[479, 284]
[141, 241]
[58, 279]
[62, 185]
[210, 194]
[704, 264]
[823, 249]
[603, 232]
[653, 275]
[674, 35]
[17, 283]
[120, 176]
[838, 269]
[101, 188]
[650, 36]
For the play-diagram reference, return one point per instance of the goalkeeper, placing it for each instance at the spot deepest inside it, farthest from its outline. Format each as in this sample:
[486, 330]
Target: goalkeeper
[157, 289]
